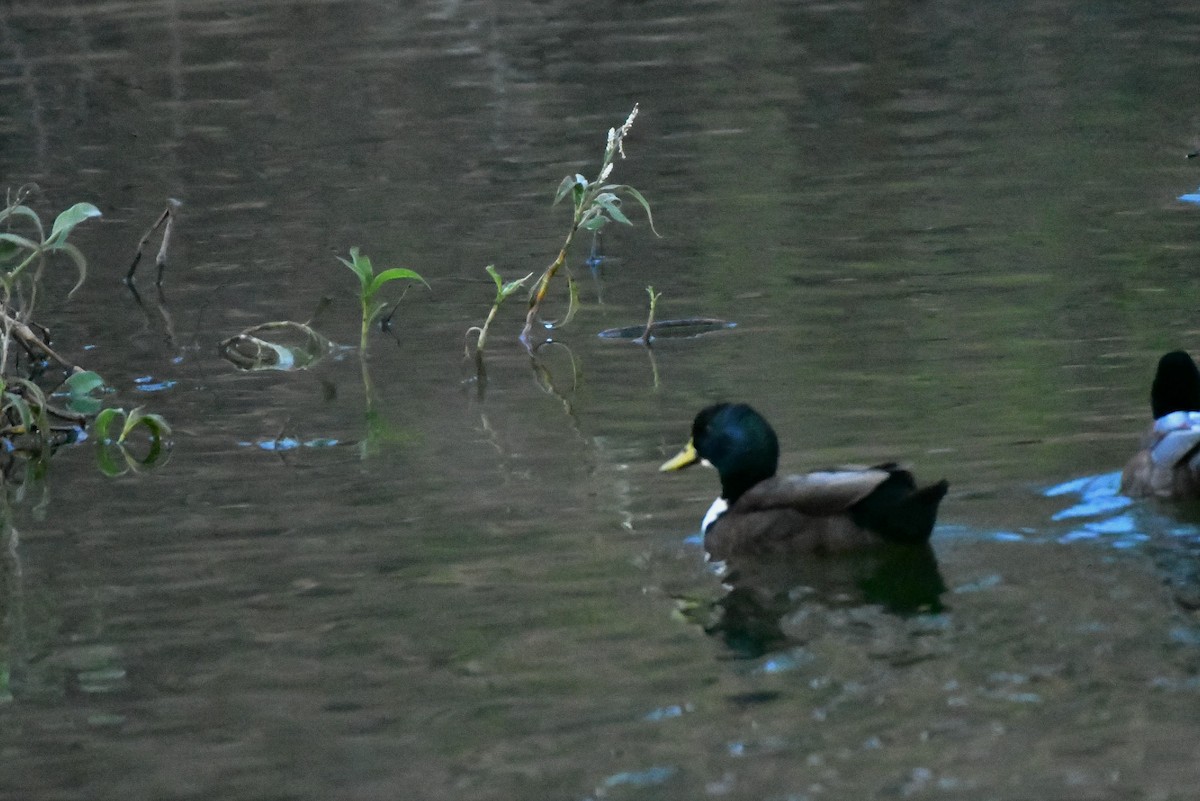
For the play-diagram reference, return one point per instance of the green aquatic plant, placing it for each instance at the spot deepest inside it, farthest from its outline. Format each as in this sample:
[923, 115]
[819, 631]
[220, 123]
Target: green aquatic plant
[78, 390]
[157, 432]
[37, 411]
[503, 291]
[19, 252]
[29, 423]
[24, 407]
[595, 204]
[647, 335]
[369, 286]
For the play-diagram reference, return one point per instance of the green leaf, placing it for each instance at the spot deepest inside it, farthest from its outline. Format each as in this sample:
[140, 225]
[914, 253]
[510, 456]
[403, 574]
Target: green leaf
[104, 420]
[33, 391]
[563, 188]
[513, 286]
[614, 210]
[80, 387]
[156, 424]
[15, 401]
[83, 383]
[24, 211]
[360, 266]
[594, 223]
[76, 256]
[19, 241]
[107, 464]
[573, 304]
[491, 270]
[636, 195]
[69, 219]
[394, 274]
[85, 405]
[9, 252]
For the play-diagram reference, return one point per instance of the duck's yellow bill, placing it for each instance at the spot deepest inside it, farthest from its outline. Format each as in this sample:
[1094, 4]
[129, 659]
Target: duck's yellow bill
[685, 458]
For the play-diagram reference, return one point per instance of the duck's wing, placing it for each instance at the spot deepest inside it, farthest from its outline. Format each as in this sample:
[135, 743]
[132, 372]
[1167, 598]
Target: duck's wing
[1177, 449]
[1169, 463]
[820, 493]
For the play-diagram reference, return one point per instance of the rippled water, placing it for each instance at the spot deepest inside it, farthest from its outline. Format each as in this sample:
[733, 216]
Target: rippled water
[948, 234]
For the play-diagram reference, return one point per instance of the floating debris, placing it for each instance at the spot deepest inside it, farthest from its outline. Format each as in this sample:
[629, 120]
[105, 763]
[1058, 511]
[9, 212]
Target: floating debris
[290, 346]
[669, 329]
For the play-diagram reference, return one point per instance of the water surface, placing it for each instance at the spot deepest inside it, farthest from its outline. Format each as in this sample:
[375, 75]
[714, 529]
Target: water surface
[948, 235]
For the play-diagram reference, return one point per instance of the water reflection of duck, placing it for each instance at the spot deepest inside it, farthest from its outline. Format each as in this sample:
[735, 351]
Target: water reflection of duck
[761, 595]
[827, 512]
[1168, 465]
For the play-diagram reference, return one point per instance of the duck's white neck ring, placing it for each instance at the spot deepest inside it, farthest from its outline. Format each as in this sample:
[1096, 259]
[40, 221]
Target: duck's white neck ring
[718, 508]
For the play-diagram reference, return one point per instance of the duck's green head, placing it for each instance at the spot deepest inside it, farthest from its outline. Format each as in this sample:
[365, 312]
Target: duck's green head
[1176, 386]
[737, 441]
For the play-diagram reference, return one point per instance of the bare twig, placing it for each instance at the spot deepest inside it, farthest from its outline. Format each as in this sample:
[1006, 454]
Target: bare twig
[160, 261]
[29, 340]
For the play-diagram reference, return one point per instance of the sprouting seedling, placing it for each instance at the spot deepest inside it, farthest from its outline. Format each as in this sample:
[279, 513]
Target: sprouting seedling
[369, 286]
[157, 430]
[503, 290]
[155, 424]
[595, 204]
[18, 252]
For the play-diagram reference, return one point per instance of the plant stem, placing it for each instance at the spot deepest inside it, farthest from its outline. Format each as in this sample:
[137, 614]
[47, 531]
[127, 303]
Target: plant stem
[650, 318]
[535, 302]
[366, 329]
[483, 332]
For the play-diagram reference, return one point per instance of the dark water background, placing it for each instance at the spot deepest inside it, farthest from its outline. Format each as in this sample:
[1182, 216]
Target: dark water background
[948, 233]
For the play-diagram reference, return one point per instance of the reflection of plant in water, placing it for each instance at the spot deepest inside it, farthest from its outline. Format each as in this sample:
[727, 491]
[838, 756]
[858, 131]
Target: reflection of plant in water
[369, 286]
[544, 376]
[595, 204]
[13, 646]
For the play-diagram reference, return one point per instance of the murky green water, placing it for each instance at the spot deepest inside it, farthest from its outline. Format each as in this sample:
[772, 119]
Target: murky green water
[948, 234]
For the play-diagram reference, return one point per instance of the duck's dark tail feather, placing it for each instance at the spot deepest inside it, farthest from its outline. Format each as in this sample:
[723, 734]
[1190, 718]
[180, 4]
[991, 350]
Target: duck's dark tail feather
[898, 511]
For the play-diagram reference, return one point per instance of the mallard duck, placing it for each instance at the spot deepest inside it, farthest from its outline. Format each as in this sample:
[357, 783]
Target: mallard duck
[1168, 465]
[825, 512]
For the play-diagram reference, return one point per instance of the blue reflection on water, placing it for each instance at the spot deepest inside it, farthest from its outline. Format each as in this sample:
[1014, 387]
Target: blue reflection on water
[147, 384]
[1102, 513]
[1099, 498]
[1190, 198]
[288, 444]
[641, 778]
[781, 663]
[667, 712]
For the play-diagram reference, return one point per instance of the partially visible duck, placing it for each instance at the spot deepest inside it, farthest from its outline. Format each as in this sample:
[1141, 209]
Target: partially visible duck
[825, 512]
[1168, 465]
